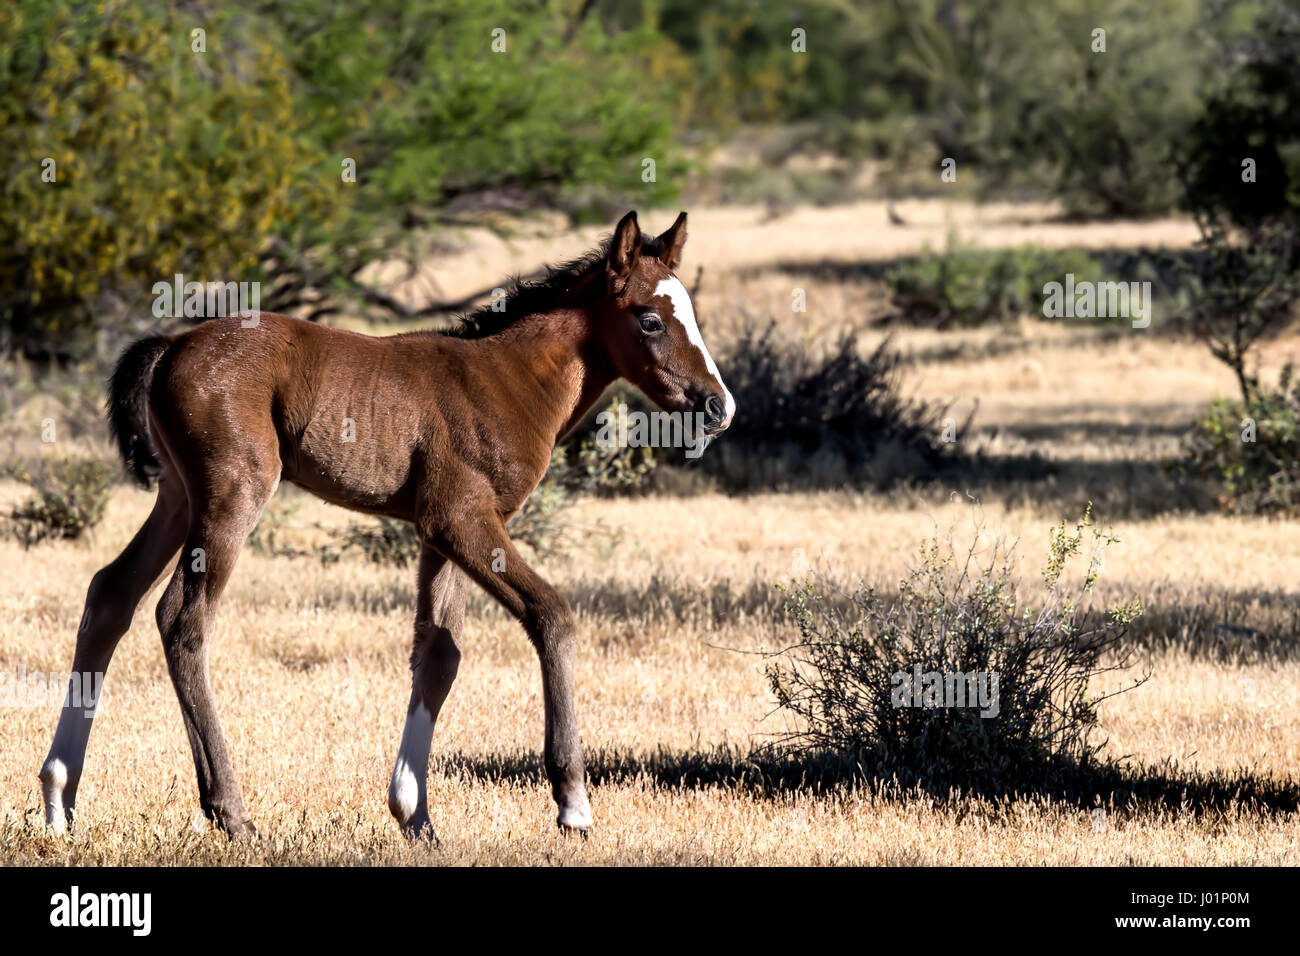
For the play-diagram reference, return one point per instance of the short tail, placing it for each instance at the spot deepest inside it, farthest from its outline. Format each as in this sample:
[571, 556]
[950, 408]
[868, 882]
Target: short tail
[128, 407]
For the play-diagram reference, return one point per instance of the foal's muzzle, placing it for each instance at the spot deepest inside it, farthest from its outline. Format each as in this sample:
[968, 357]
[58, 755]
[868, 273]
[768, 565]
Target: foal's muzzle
[714, 410]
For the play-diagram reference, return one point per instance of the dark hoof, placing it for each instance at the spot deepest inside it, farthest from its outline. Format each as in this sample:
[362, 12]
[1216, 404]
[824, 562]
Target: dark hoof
[423, 834]
[241, 830]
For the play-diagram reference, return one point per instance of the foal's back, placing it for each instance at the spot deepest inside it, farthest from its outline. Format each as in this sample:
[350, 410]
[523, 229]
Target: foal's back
[349, 417]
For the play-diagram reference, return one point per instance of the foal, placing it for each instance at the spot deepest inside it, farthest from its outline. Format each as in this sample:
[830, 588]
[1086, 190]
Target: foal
[451, 431]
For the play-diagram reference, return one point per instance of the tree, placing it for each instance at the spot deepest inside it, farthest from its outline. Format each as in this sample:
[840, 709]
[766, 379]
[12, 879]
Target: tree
[226, 155]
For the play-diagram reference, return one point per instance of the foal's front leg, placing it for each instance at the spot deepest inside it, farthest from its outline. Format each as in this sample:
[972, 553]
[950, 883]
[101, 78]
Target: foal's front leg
[478, 543]
[435, 658]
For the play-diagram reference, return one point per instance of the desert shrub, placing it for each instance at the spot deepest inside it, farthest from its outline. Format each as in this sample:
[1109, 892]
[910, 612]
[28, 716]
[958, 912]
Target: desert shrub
[385, 541]
[69, 498]
[850, 679]
[1250, 452]
[965, 285]
[268, 535]
[1242, 292]
[586, 467]
[821, 417]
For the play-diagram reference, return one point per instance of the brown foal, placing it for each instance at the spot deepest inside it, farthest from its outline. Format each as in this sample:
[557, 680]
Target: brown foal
[451, 431]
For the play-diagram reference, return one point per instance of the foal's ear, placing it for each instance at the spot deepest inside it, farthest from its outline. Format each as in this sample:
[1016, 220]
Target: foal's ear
[671, 242]
[623, 251]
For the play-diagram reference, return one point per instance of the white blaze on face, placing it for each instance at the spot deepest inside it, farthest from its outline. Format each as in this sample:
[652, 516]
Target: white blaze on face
[672, 287]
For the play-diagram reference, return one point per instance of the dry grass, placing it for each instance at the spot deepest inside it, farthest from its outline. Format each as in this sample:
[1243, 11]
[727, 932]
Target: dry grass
[309, 666]
[309, 662]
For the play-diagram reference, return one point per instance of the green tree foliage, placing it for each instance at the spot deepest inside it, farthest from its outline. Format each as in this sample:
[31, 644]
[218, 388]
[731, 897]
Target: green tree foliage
[1019, 89]
[1240, 169]
[227, 164]
[437, 100]
[1252, 113]
[733, 61]
[164, 160]
[1024, 90]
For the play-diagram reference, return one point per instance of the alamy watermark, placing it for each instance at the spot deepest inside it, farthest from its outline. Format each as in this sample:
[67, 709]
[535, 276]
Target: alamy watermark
[1099, 300]
[75, 908]
[207, 300]
[946, 690]
[622, 428]
[21, 690]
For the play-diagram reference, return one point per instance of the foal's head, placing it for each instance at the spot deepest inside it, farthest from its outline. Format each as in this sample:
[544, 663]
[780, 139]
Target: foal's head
[649, 330]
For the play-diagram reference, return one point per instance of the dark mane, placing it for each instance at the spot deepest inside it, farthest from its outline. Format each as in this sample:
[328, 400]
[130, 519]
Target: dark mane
[528, 297]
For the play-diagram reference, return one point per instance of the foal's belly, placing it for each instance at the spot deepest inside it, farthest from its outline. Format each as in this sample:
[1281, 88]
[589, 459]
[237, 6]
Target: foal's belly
[363, 465]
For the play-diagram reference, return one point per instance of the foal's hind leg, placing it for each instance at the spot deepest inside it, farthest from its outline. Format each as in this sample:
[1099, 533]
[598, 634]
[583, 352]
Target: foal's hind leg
[435, 658]
[114, 594]
[219, 523]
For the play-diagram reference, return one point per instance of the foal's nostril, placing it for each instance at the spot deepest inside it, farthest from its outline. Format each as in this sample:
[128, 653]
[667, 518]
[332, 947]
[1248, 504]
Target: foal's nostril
[715, 411]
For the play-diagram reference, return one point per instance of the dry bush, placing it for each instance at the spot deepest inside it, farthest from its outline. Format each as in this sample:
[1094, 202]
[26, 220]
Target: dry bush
[850, 679]
[69, 497]
[808, 418]
[1249, 453]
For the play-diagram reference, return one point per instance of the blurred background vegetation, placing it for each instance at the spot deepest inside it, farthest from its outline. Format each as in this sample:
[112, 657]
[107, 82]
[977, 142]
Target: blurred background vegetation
[228, 162]
[143, 139]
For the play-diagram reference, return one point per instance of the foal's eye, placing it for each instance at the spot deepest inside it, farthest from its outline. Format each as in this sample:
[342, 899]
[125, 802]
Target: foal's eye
[651, 323]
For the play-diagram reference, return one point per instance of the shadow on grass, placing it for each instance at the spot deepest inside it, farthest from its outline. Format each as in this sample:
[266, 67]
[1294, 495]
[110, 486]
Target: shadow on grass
[1122, 487]
[1083, 430]
[1118, 488]
[766, 775]
[1205, 621]
[1202, 621]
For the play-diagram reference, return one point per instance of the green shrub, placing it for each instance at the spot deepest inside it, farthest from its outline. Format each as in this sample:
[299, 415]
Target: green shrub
[965, 285]
[849, 677]
[600, 471]
[1241, 290]
[1250, 453]
[69, 499]
[1254, 101]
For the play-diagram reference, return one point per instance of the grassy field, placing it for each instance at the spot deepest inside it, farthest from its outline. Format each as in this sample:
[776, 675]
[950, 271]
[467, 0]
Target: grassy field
[309, 661]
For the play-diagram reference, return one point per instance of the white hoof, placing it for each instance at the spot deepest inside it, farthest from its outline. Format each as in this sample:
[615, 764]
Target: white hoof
[575, 818]
[54, 777]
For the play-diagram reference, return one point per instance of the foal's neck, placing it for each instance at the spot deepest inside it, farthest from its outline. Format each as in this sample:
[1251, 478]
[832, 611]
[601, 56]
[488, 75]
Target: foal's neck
[552, 367]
